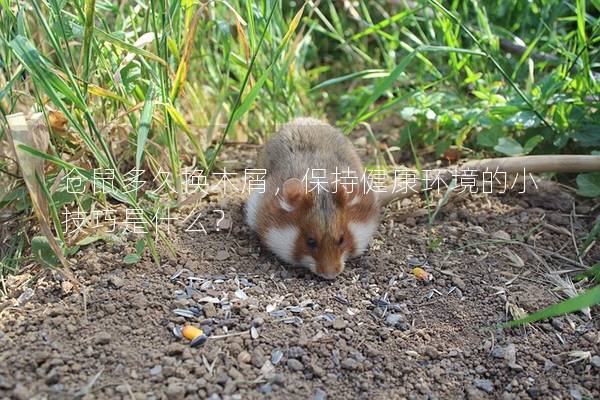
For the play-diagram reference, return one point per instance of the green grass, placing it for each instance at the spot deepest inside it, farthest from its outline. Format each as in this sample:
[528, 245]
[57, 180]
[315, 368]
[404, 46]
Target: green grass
[162, 84]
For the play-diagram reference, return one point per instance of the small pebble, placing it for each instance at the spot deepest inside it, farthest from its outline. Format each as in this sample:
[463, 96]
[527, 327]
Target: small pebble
[320, 395]
[502, 235]
[266, 388]
[576, 394]
[116, 281]
[175, 391]
[222, 255]
[209, 310]
[339, 323]
[484, 384]
[459, 283]
[350, 363]
[295, 365]
[156, 370]
[102, 338]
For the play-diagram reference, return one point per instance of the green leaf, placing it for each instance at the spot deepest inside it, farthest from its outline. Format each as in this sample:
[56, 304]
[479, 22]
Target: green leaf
[489, 138]
[509, 146]
[591, 272]
[131, 259]
[588, 135]
[43, 71]
[583, 300]
[532, 143]
[523, 120]
[89, 240]
[43, 253]
[592, 235]
[588, 184]
[139, 247]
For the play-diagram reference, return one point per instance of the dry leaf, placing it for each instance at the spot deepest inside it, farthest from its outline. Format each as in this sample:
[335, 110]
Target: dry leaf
[452, 154]
[57, 120]
[33, 133]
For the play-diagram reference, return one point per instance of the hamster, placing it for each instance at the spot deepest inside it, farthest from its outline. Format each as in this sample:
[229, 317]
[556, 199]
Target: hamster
[316, 226]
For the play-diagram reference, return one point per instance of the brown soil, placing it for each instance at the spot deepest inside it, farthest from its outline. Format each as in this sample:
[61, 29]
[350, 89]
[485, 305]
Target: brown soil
[375, 332]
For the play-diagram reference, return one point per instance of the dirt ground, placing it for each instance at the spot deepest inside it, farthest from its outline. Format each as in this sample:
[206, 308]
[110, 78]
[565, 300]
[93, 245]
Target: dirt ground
[280, 332]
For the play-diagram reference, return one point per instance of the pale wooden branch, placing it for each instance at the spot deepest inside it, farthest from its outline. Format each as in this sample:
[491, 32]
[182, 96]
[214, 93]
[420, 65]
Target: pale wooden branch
[509, 165]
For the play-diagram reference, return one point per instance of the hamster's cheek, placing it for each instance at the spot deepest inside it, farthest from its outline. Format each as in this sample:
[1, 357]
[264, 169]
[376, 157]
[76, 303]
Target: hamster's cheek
[252, 206]
[309, 262]
[362, 233]
[281, 241]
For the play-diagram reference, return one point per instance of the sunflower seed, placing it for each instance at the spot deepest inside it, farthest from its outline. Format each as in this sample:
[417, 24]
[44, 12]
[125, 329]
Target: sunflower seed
[415, 262]
[177, 331]
[254, 332]
[198, 340]
[276, 356]
[339, 298]
[180, 294]
[277, 313]
[209, 299]
[184, 313]
[240, 294]
[178, 274]
[293, 320]
[326, 317]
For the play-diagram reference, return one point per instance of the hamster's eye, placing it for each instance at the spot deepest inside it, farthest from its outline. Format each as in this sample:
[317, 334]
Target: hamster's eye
[312, 243]
[341, 240]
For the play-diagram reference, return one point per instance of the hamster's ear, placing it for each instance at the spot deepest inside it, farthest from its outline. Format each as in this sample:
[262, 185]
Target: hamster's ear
[359, 199]
[341, 196]
[294, 195]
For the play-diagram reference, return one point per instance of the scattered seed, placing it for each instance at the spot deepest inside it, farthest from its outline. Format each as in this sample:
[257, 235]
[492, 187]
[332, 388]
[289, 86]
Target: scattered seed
[180, 294]
[209, 299]
[177, 331]
[422, 275]
[156, 370]
[178, 274]
[293, 320]
[200, 339]
[197, 312]
[240, 294]
[415, 262]
[184, 313]
[277, 313]
[190, 332]
[296, 309]
[339, 298]
[254, 332]
[326, 317]
[276, 356]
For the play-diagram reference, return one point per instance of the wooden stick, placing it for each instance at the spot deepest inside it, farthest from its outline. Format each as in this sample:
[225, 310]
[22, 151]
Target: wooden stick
[509, 165]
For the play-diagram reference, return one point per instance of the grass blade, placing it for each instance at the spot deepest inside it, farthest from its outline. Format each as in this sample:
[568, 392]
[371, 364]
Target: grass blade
[586, 299]
[145, 124]
[381, 86]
